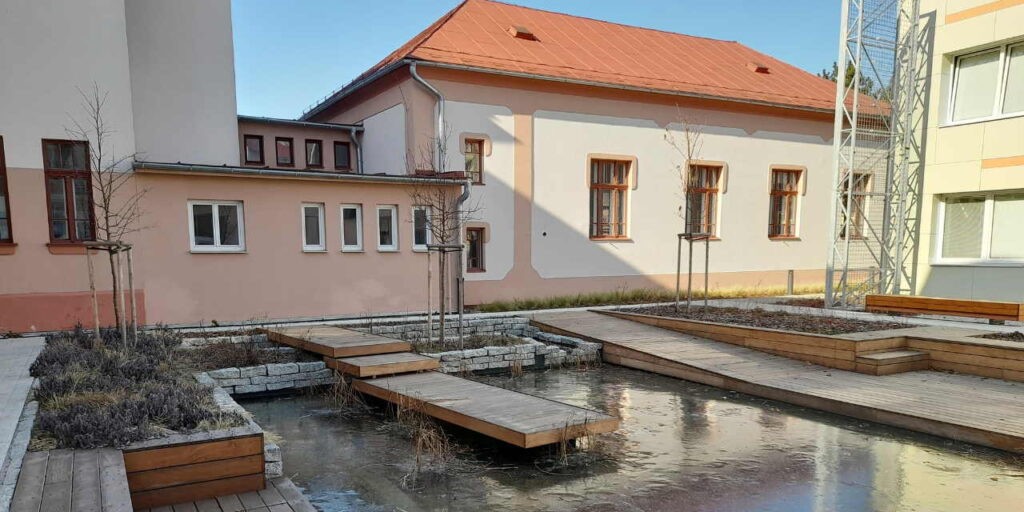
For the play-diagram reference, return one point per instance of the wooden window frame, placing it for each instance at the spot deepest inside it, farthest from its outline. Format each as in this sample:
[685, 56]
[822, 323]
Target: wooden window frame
[358, 247]
[481, 147]
[69, 197]
[322, 246]
[790, 205]
[394, 246]
[6, 191]
[216, 247]
[594, 226]
[305, 155]
[481, 266]
[709, 216]
[291, 151]
[348, 151]
[245, 150]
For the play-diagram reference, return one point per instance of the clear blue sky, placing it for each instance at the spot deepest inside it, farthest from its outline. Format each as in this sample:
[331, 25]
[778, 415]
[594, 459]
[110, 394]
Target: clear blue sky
[290, 54]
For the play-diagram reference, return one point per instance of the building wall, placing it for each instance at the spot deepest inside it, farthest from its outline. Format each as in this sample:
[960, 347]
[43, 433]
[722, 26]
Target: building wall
[969, 157]
[384, 147]
[183, 80]
[298, 134]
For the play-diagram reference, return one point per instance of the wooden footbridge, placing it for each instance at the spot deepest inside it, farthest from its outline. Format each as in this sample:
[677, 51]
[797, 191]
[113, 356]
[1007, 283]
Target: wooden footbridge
[386, 368]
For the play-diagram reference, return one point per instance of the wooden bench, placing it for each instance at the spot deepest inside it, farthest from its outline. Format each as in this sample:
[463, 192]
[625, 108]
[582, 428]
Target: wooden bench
[999, 311]
[67, 480]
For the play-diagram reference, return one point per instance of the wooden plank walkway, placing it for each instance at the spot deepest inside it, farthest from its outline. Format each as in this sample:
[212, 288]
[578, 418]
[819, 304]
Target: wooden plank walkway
[516, 418]
[335, 342]
[281, 495]
[66, 480]
[383, 364]
[987, 412]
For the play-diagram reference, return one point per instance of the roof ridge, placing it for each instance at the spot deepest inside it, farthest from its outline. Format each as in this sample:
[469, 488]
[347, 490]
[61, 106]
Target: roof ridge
[605, 21]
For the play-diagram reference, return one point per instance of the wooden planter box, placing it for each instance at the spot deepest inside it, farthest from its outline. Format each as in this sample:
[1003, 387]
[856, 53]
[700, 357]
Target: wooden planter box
[947, 307]
[191, 467]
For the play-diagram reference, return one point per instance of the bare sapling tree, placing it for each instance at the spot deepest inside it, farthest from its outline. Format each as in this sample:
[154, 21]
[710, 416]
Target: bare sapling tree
[443, 217]
[687, 142]
[116, 200]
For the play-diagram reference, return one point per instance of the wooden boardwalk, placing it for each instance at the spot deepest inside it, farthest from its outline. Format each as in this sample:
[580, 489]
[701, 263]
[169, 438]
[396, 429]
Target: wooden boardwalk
[516, 418]
[988, 412]
[383, 364]
[335, 342]
[72, 480]
[281, 495]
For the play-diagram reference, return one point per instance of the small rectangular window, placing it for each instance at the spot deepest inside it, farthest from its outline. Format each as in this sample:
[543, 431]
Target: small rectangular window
[313, 227]
[609, 187]
[351, 228]
[474, 151]
[475, 249]
[977, 77]
[68, 191]
[216, 226]
[702, 194]
[342, 156]
[420, 227]
[387, 228]
[285, 152]
[5, 203]
[782, 214]
[1013, 95]
[254, 149]
[314, 153]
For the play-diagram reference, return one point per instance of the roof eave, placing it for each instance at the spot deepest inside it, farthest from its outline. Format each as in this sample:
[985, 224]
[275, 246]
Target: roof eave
[259, 172]
[294, 122]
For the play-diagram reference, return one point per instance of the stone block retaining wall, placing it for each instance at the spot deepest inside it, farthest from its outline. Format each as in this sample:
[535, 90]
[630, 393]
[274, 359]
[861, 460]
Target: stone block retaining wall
[272, 377]
[508, 326]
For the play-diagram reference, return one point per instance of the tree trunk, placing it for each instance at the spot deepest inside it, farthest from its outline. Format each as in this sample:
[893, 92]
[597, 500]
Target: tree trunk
[115, 285]
[442, 292]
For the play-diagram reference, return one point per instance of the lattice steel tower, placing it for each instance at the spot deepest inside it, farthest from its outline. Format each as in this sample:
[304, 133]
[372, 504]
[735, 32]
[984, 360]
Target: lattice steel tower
[878, 150]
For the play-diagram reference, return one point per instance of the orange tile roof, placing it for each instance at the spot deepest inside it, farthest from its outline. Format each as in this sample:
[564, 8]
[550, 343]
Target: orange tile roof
[477, 34]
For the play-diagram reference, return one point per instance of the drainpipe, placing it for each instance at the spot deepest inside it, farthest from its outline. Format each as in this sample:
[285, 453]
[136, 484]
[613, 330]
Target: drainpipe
[460, 279]
[359, 148]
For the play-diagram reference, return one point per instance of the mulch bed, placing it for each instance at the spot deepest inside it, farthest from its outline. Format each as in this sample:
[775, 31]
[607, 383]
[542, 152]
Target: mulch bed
[804, 303]
[812, 324]
[1008, 336]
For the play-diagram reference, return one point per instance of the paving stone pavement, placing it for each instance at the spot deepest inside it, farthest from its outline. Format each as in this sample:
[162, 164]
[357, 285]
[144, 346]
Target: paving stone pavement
[16, 355]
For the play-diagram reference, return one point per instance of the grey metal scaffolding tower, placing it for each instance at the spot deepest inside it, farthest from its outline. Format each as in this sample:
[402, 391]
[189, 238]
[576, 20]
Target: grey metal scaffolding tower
[878, 150]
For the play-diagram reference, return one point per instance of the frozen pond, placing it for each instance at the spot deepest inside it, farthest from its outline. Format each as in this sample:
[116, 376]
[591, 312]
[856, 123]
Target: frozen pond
[682, 447]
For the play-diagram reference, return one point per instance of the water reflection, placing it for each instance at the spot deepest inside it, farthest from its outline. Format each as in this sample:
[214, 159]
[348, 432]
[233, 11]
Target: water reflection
[682, 446]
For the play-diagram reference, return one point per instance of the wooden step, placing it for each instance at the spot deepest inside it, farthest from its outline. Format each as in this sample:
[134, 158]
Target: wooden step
[383, 364]
[68, 480]
[893, 361]
[335, 342]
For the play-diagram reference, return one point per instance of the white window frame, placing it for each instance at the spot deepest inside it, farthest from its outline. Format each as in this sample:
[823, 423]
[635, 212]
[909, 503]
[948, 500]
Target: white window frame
[394, 228]
[1000, 96]
[216, 247]
[322, 246]
[358, 247]
[986, 235]
[421, 247]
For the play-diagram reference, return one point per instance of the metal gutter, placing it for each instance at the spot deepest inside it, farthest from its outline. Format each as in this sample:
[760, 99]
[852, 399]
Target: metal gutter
[281, 173]
[351, 88]
[439, 153]
[307, 124]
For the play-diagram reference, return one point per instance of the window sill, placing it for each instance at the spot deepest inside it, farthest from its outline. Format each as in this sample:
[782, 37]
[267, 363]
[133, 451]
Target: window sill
[201, 251]
[701, 239]
[419, 249]
[980, 264]
[315, 251]
[476, 270]
[624, 239]
[7, 248]
[387, 250]
[1000, 117]
[66, 248]
[784, 239]
[353, 250]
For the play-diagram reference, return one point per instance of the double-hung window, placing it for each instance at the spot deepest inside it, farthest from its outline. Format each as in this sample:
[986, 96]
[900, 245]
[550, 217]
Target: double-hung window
[981, 229]
[314, 153]
[216, 226]
[351, 228]
[420, 227]
[253, 146]
[342, 156]
[988, 84]
[68, 191]
[783, 213]
[474, 152]
[702, 200]
[284, 151]
[609, 188]
[387, 228]
[313, 227]
[5, 204]
[475, 249]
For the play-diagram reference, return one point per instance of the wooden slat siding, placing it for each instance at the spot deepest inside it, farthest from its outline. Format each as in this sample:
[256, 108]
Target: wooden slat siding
[193, 453]
[335, 342]
[199, 472]
[383, 364]
[959, 407]
[196, 491]
[515, 418]
[939, 306]
[28, 493]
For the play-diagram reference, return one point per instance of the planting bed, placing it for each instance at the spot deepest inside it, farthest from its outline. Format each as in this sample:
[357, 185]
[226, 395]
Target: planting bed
[1008, 336]
[764, 319]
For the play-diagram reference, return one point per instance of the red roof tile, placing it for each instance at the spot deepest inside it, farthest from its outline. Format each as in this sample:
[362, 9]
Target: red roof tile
[477, 34]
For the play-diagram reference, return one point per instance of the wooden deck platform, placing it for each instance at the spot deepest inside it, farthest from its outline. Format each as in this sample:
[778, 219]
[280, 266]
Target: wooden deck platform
[516, 418]
[987, 412]
[72, 480]
[383, 364]
[281, 495]
[335, 342]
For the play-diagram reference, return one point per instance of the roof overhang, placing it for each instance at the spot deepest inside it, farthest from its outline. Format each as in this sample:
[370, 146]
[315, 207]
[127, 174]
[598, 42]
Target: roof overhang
[294, 122]
[252, 172]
